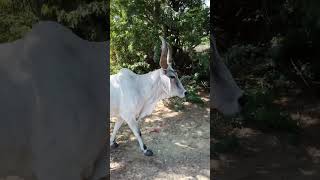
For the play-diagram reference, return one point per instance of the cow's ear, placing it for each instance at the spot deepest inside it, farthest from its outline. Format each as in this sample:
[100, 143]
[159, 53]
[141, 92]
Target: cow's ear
[164, 71]
[166, 83]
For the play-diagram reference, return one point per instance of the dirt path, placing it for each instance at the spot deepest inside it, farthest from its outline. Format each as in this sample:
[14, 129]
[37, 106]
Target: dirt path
[271, 156]
[180, 142]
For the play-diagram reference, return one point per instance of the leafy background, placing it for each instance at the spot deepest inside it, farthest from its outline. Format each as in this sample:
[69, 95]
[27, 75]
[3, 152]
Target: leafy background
[135, 29]
[272, 48]
[88, 19]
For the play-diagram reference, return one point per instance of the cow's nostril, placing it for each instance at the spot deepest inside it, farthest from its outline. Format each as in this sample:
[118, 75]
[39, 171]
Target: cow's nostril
[185, 93]
[242, 100]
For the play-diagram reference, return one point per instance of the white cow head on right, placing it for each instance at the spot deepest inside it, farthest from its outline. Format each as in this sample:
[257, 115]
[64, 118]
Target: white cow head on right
[227, 96]
[170, 82]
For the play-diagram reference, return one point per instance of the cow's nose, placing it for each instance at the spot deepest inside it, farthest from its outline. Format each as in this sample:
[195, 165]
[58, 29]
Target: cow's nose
[243, 100]
[186, 93]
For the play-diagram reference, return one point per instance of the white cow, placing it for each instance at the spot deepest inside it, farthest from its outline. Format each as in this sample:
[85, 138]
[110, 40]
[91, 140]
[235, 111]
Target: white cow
[133, 96]
[53, 106]
[226, 95]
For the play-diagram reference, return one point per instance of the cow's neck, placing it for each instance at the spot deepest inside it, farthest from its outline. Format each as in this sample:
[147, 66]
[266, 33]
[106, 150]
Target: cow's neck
[151, 90]
[152, 86]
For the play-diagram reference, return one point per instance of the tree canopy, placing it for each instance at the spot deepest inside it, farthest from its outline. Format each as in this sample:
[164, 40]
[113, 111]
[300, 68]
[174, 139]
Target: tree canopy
[88, 19]
[286, 31]
[136, 26]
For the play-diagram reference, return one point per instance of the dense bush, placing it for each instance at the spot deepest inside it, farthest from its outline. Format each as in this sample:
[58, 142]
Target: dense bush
[263, 83]
[289, 29]
[137, 25]
[88, 19]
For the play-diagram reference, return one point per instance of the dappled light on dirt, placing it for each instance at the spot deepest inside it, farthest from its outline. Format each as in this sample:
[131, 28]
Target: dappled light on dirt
[183, 145]
[115, 166]
[180, 142]
[164, 176]
[314, 154]
[274, 155]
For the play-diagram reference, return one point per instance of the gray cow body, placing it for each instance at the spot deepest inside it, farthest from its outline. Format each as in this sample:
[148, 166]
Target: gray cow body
[53, 110]
[226, 95]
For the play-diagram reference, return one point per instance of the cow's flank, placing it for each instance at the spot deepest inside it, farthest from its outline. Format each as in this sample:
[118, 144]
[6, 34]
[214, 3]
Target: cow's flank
[53, 107]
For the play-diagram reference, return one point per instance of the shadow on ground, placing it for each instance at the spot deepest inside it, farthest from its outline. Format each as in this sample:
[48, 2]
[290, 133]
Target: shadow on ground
[180, 142]
[275, 156]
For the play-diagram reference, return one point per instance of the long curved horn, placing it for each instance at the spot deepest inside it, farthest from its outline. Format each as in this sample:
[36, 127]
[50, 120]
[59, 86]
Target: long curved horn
[164, 54]
[216, 54]
[169, 55]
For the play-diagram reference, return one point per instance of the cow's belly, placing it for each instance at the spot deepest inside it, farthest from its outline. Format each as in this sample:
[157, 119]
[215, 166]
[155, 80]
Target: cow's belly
[15, 130]
[114, 112]
[114, 98]
[69, 138]
[15, 154]
[114, 105]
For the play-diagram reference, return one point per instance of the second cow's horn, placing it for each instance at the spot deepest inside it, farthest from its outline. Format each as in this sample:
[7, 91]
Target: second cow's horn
[164, 54]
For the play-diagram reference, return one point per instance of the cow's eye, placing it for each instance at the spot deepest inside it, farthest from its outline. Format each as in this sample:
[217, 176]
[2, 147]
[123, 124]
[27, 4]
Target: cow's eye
[172, 77]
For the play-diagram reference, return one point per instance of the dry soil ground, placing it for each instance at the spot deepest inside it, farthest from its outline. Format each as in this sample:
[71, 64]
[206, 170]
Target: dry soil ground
[180, 142]
[271, 156]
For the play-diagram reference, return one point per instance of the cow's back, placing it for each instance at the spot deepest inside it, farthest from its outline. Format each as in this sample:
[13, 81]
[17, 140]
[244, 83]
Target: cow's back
[123, 86]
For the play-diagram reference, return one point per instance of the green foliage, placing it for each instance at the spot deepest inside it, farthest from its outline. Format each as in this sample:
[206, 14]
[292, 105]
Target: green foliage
[255, 58]
[193, 95]
[137, 25]
[290, 30]
[15, 20]
[262, 112]
[87, 19]
[193, 88]
[200, 65]
[262, 83]
[138, 67]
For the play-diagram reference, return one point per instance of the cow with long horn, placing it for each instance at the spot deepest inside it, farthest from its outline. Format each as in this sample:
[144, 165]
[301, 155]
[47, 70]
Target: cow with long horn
[228, 98]
[133, 96]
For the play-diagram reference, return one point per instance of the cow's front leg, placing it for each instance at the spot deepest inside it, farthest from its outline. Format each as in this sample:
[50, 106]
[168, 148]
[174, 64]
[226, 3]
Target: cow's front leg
[133, 124]
[116, 127]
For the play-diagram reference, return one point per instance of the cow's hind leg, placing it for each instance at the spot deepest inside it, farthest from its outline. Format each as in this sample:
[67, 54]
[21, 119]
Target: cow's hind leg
[117, 125]
[133, 124]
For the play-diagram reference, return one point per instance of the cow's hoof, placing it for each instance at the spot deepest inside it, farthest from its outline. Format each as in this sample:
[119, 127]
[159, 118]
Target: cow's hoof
[148, 152]
[114, 145]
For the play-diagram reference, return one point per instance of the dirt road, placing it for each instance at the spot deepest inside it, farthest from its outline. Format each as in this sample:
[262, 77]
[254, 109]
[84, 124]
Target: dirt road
[275, 156]
[180, 142]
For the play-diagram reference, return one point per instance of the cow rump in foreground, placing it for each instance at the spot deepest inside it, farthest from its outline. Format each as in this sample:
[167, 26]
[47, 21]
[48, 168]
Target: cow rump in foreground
[134, 96]
[53, 110]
